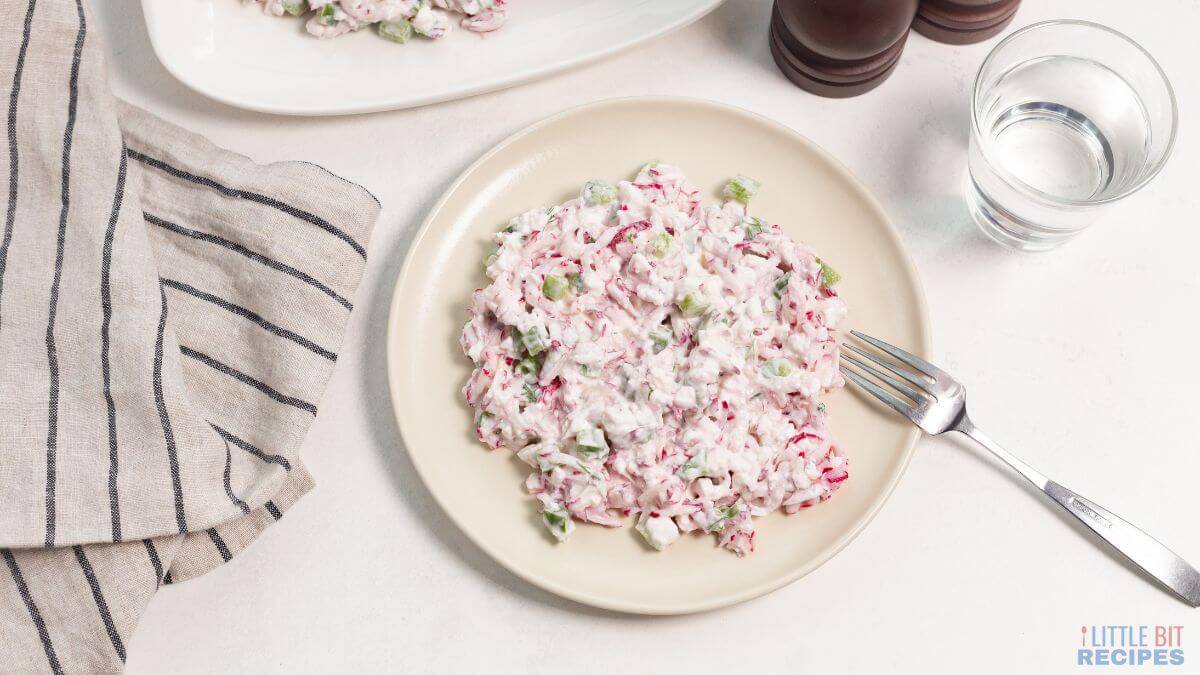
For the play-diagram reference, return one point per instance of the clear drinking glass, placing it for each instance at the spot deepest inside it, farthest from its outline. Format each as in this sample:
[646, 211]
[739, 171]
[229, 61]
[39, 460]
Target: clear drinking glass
[1067, 118]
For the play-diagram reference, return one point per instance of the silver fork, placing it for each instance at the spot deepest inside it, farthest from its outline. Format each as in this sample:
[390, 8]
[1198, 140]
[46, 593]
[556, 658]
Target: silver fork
[936, 403]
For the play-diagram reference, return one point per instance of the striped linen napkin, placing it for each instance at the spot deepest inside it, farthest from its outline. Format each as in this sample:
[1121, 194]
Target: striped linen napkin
[170, 313]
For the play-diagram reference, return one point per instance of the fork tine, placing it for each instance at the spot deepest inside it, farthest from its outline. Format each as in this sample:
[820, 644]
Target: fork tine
[919, 397]
[891, 367]
[911, 359]
[879, 393]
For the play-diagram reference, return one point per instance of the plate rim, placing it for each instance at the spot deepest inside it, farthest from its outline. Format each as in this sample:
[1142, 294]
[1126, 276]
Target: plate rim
[149, 11]
[652, 609]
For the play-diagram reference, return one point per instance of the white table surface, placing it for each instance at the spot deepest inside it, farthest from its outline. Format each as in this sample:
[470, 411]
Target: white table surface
[1070, 357]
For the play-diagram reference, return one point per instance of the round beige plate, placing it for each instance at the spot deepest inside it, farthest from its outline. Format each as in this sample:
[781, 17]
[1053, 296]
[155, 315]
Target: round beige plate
[815, 200]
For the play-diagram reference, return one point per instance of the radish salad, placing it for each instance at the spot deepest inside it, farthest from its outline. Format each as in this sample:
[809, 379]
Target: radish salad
[396, 20]
[656, 358]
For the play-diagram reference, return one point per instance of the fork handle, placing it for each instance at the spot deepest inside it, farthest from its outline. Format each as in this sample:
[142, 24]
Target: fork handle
[1141, 549]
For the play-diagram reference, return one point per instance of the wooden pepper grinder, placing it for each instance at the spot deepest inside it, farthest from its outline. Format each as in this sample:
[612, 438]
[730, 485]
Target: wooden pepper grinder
[960, 22]
[839, 48]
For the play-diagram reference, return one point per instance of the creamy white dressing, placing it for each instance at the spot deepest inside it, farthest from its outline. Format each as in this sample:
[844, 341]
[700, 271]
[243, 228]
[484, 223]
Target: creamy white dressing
[653, 357]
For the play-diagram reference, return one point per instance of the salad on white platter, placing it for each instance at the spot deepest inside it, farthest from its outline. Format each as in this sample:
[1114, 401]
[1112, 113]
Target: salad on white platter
[396, 20]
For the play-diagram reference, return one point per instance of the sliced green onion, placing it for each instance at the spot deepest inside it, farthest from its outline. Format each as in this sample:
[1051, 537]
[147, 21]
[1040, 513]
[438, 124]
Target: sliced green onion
[591, 444]
[829, 276]
[596, 192]
[576, 282]
[536, 340]
[741, 188]
[782, 284]
[660, 244]
[398, 30]
[518, 345]
[529, 366]
[327, 15]
[755, 227]
[777, 368]
[531, 392]
[296, 8]
[558, 521]
[668, 531]
[691, 305]
[659, 339]
[726, 513]
[555, 287]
